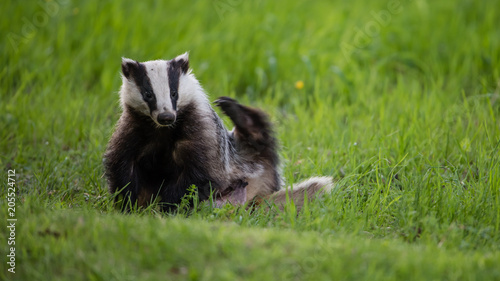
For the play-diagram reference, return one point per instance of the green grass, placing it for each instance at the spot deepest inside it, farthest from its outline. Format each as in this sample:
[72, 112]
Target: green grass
[404, 114]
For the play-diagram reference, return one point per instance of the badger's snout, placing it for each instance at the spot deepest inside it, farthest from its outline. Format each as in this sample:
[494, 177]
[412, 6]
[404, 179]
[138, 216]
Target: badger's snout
[166, 118]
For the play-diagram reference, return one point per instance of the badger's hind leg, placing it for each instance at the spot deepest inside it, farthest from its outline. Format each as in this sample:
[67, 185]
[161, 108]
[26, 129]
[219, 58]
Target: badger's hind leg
[252, 126]
[256, 147]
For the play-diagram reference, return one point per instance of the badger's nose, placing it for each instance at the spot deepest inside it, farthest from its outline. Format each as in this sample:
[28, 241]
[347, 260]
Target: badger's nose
[166, 118]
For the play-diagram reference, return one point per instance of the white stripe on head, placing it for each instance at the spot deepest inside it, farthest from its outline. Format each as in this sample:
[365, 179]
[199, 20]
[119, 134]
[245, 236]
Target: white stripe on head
[162, 79]
[158, 75]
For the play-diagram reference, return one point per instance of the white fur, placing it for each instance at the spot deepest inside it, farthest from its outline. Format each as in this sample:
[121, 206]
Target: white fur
[158, 75]
[184, 56]
[326, 182]
[190, 90]
[130, 93]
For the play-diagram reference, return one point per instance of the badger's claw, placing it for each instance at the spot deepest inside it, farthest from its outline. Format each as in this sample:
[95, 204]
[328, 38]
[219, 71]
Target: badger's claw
[235, 111]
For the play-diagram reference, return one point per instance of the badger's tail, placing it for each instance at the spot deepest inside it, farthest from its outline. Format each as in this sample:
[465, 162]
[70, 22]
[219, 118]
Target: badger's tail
[310, 189]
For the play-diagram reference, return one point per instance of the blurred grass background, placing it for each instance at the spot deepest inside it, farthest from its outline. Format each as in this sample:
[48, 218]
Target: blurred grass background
[400, 104]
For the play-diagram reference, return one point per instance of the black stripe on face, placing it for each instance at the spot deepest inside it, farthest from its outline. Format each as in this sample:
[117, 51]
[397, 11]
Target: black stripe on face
[175, 69]
[137, 71]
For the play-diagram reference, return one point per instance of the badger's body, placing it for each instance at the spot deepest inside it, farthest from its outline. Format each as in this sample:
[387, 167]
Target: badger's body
[169, 138]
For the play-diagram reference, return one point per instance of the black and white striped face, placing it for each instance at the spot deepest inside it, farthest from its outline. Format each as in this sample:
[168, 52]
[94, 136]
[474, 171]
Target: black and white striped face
[158, 88]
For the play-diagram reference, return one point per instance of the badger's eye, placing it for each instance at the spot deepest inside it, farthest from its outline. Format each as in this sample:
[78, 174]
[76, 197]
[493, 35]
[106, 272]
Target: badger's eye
[148, 95]
[173, 94]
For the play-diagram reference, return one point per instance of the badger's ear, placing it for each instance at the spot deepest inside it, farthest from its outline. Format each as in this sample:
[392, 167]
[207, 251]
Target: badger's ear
[128, 67]
[183, 61]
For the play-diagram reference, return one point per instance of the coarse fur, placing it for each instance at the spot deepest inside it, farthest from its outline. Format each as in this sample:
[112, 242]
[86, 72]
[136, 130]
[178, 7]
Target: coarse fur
[309, 189]
[169, 138]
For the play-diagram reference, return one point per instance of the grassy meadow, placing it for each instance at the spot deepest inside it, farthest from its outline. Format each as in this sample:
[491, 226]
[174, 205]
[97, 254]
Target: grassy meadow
[398, 101]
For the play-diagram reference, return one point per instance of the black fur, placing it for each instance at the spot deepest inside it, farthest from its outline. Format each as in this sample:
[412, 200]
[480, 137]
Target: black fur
[175, 69]
[141, 159]
[253, 136]
[137, 71]
[253, 129]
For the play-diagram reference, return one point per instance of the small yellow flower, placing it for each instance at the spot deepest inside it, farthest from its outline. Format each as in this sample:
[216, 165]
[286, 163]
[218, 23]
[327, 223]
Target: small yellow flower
[299, 85]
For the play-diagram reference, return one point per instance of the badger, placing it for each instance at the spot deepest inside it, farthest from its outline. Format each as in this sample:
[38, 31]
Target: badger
[169, 138]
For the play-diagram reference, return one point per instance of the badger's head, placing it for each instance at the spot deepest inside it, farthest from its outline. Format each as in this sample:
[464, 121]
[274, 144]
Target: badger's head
[158, 88]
